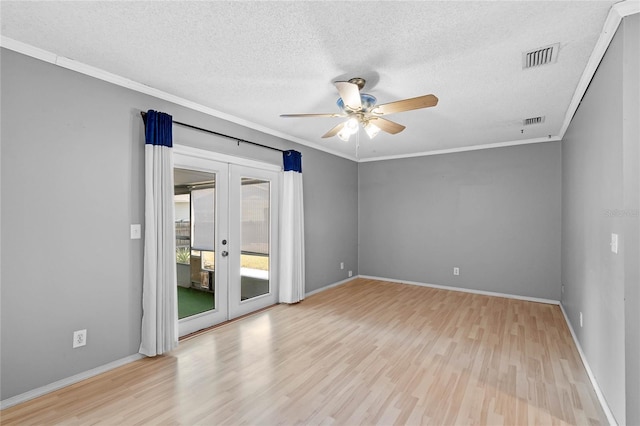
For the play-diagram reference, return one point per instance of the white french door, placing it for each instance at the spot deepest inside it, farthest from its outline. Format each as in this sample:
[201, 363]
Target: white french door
[226, 237]
[253, 210]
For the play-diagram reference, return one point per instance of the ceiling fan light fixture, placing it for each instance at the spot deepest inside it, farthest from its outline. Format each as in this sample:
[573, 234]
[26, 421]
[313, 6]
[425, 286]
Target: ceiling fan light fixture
[351, 126]
[344, 134]
[372, 130]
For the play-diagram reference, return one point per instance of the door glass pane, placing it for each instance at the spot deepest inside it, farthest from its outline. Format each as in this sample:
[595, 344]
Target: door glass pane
[202, 209]
[194, 206]
[254, 230]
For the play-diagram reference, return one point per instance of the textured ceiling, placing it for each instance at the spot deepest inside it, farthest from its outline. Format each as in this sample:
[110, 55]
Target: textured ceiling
[257, 60]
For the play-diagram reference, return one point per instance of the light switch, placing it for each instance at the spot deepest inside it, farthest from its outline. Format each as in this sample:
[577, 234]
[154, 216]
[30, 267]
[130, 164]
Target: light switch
[614, 243]
[135, 231]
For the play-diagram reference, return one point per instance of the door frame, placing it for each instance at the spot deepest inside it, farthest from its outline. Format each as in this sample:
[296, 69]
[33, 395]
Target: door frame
[197, 159]
[188, 151]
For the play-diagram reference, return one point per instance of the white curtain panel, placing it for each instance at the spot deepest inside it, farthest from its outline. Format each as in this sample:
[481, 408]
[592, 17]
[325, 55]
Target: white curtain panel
[159, 294]
[291, 239]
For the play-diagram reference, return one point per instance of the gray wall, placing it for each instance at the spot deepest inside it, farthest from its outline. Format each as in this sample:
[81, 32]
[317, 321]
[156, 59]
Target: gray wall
[600, 197]
[493, 213]
[631, 203]
[72, 182]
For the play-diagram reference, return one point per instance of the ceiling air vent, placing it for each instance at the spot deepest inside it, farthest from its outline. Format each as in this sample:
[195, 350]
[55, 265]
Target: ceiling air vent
[532, 120]
[542, 56]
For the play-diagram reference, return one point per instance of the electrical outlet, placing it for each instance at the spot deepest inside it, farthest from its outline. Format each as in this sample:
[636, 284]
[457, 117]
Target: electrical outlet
[79, 338]
[580, 319]
[350, 274]
[562, 289]
[341, 265]
[456, 271]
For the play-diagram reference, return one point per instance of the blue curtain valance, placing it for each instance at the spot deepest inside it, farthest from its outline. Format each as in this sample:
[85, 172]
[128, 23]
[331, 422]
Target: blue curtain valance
[292, 161]
[158, 129]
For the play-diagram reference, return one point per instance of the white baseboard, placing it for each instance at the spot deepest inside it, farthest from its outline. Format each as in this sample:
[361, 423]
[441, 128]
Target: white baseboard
[327, 287]
[9, 402]
[592, 378]
[43, 390]
[23, 397]
[466, 290]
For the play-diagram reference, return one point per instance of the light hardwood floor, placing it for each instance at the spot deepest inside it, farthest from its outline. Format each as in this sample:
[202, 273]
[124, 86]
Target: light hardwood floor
[367, 352]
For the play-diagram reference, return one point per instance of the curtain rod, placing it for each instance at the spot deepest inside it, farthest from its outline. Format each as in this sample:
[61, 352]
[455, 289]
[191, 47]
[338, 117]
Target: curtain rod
[144, 118]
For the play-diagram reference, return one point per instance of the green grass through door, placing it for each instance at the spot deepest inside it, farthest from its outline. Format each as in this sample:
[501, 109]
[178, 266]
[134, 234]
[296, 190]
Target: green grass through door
[192, 301]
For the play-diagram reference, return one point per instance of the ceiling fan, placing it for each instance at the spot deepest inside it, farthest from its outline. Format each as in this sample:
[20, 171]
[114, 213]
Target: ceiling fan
[361, 109]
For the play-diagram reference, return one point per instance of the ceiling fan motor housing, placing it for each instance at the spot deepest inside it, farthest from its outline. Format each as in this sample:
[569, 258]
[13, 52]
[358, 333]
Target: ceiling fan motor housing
[368, 103]
[358, 81]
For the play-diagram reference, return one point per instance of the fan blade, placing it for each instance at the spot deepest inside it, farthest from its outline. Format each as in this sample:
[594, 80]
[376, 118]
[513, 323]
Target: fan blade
[387, 125]
[350, 94]
[334, 131]
[312, 115]
[425, 101]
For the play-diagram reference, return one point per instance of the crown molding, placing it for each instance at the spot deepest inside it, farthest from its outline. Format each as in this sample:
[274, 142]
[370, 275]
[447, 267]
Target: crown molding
[463, 149]
[627, 7]
[82, 68]
[616, 13]
[611, 24]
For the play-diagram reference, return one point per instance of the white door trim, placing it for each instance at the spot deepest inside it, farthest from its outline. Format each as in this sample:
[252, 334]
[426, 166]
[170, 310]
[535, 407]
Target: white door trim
[224, 158]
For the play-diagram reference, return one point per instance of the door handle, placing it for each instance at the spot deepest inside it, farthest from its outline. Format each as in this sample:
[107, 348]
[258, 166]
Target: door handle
[225, 253]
